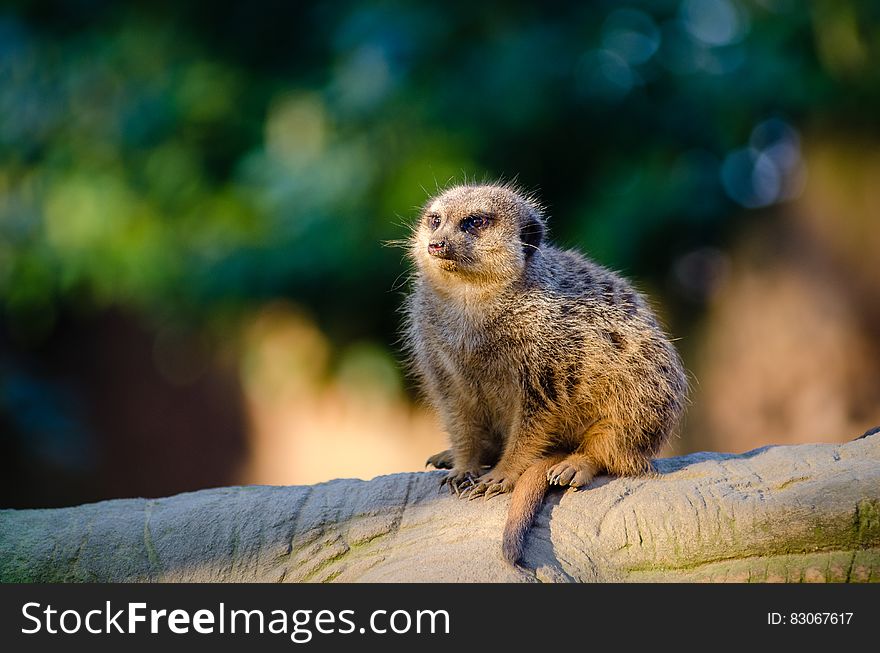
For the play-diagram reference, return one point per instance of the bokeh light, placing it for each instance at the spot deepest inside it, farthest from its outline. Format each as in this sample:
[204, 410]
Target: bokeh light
[195, 200]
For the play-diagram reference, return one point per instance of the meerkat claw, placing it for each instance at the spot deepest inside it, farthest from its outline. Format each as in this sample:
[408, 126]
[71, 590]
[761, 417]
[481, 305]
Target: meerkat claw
[459, 483]
[476, 491]
[495, 490]
[442, 460]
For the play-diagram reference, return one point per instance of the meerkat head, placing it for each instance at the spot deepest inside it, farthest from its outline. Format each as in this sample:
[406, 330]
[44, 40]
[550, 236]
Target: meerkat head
[477, 234]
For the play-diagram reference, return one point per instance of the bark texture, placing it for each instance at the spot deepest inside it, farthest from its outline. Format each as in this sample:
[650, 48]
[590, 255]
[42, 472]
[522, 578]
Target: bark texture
[795, 513]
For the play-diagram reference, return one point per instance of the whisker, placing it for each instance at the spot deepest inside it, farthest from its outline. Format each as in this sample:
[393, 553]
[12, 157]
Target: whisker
[395, 286]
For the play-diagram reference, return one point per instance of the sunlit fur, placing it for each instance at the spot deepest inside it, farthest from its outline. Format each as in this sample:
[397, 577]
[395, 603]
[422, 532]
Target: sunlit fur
[535, 357]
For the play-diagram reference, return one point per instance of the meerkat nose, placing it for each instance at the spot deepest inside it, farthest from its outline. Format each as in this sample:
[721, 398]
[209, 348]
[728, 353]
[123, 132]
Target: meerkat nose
[438, 248]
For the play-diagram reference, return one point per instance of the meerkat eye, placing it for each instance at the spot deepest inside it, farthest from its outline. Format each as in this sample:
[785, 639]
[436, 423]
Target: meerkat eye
[473, 223]
[434, 221]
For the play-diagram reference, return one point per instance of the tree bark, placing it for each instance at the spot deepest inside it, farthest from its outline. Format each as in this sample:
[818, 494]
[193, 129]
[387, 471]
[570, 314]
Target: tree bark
[795, 513]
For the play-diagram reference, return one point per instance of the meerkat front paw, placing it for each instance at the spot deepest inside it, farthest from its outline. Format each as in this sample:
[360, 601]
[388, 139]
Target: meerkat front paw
[490, 484]
[459, 480]
[442, 460]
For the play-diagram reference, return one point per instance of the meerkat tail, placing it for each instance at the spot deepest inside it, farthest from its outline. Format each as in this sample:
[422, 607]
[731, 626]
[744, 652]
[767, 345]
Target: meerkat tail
[528, 494]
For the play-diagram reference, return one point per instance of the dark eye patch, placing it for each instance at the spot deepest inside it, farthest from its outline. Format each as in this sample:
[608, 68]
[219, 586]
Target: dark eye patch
[475, 222]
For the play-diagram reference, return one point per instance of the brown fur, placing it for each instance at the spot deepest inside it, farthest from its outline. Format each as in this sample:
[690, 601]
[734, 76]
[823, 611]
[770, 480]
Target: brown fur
[528, 493]
[542, 364]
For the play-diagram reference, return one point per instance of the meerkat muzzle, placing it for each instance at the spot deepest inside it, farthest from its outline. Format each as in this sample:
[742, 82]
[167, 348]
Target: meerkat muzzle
[440, 249]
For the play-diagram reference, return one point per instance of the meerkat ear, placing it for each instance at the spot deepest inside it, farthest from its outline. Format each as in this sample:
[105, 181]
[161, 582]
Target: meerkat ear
[532, 235]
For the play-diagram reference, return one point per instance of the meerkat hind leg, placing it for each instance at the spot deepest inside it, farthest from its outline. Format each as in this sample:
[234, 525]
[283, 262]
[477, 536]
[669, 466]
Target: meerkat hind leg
[502, 478]
[490, 484]
[576, 470]
[579, 467]
[603, 449]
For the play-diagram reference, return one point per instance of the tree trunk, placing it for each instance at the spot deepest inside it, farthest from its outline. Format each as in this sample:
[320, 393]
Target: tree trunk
[796, 513]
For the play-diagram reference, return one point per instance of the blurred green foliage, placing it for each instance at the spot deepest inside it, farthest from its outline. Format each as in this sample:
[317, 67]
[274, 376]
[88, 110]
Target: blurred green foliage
[187, 162]
[190, 160]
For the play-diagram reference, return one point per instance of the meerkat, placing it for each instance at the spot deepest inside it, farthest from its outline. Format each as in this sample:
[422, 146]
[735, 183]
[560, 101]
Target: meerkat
[546, 368]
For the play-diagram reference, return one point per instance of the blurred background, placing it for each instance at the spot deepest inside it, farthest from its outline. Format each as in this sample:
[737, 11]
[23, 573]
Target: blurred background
[194, 197]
